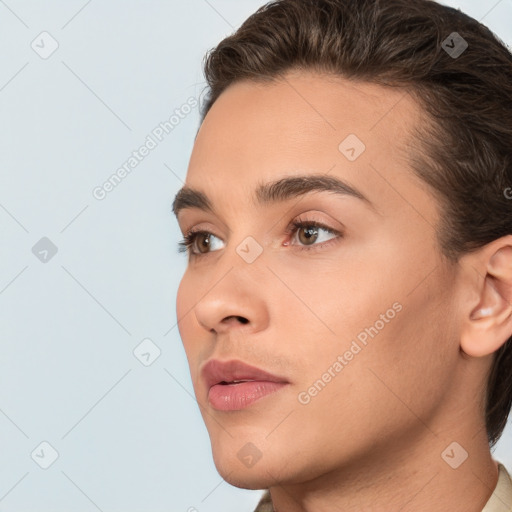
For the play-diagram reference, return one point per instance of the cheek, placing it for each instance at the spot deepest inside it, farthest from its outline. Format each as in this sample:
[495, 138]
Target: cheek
[336, 302]
[391, 330]
[383, 394]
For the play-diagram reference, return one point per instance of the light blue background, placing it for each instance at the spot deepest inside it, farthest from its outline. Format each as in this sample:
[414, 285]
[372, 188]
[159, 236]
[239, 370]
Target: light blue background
[129, 437]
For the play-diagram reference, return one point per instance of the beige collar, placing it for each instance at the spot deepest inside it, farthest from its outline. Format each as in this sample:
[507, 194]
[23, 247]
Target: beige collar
[501, 499]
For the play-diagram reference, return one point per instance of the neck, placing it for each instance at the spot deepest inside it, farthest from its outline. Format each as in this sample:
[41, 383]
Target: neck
[409, 479]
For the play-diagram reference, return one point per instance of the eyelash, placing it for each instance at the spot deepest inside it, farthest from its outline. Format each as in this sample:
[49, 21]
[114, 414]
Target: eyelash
[186, 244]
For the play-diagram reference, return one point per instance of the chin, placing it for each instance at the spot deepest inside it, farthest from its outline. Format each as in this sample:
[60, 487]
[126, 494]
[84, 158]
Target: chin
[246, 468]
[247, 480]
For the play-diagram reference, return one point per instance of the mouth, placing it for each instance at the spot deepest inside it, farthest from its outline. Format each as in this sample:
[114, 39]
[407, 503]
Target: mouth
[234, 385]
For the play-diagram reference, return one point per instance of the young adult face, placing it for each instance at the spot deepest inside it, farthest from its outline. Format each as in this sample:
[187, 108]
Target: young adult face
[309, 298]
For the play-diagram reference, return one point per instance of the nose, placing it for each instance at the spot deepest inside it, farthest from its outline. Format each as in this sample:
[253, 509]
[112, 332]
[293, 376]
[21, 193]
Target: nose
[235, 302]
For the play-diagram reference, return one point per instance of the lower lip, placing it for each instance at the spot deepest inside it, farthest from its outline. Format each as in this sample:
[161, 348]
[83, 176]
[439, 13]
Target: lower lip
[233, 397]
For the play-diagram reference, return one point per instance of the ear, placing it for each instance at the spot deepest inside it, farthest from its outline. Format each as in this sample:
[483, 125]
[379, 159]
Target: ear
[489, 324]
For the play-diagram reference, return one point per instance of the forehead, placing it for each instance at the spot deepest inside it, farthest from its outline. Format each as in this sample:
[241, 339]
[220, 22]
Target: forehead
[304, 122]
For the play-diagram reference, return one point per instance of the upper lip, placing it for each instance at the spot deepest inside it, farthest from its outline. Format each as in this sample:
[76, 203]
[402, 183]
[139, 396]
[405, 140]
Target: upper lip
[215, 372]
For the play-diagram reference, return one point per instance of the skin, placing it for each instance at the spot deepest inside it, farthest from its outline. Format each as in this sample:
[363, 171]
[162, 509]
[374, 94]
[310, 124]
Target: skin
[372, 438]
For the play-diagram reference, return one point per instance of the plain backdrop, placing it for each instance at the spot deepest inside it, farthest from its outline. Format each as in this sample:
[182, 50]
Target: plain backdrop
[84, 280]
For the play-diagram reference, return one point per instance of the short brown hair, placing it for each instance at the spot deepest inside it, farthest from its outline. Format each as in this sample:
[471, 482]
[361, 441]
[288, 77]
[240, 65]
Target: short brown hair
[466, 147]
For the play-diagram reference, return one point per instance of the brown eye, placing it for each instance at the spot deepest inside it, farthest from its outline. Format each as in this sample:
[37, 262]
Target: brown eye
[203, 242]
[307, 235]
[199, 243]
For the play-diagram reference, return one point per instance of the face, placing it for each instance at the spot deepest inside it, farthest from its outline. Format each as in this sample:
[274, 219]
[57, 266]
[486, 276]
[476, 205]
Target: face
[352, 311]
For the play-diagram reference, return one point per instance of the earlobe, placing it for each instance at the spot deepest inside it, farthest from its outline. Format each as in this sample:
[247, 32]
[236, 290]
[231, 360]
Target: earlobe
[489, 324]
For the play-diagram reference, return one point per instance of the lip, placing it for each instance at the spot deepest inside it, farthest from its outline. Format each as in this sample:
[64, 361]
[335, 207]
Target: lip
[227, 395]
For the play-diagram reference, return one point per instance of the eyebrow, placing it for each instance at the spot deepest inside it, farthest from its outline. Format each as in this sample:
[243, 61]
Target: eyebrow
[273, 192]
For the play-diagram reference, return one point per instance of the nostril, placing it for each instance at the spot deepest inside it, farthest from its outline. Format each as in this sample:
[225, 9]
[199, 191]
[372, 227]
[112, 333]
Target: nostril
[241, 319]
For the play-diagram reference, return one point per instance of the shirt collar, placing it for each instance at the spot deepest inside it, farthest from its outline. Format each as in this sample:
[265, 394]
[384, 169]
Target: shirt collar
[501, 499]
